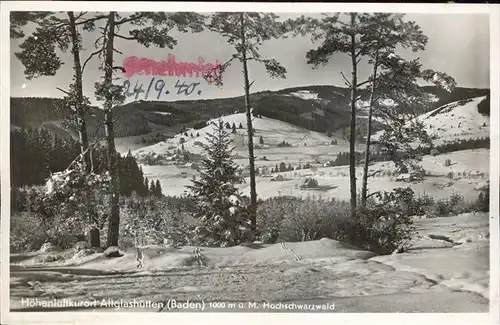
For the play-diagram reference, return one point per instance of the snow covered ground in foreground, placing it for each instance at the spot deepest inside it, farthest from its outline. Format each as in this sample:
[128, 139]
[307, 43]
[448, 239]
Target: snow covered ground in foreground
[447, 270]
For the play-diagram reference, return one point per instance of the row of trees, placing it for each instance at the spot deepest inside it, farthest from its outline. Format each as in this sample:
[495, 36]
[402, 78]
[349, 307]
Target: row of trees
[36, 154]
[373, 38]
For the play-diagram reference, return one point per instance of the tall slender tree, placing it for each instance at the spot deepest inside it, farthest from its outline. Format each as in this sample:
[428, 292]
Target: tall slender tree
[372, 37]
[386, 32]
[38, 55]
[395, 78]
[246, 32]
[341, 33]
[153, 28]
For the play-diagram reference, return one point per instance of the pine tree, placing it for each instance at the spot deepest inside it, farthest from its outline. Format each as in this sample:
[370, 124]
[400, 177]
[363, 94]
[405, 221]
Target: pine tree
[234, 127]
[158, 189]
[222, 219]
[152, 188]
[261, 140]
[161, 24]
[246, 32]
[146, 186]
[240, 126]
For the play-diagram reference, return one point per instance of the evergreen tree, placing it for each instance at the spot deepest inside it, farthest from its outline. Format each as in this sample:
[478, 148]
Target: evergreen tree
[222, 219]
[152, 188]
[240, 126]
[146, 186]
[246, 32]
[261, 140]
[234, 128]
[228, 126]
[158, 189]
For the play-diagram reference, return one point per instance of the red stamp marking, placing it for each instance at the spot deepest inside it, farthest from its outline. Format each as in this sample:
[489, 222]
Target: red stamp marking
[144, 66]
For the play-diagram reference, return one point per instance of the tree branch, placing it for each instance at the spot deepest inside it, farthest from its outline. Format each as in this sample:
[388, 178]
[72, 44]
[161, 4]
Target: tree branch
[83, 153]
[122, 69]
[125, 37]
[218, 80]
[91, 20]
[83, 13]
[369, 80]
[250, 85]
[374, 173]
[64, 91]
[345, 79]
[126, 20]
[90, 57]
[372, 194]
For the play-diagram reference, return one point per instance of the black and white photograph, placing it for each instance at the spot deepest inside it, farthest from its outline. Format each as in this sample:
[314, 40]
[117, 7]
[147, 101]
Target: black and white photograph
[212, 160]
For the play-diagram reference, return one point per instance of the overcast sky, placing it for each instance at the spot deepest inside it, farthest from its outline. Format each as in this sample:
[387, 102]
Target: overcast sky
[458, 45]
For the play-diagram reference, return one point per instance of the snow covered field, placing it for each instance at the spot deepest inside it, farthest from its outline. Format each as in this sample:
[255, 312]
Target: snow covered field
[470, 168]
[458, 120]
[447, 270]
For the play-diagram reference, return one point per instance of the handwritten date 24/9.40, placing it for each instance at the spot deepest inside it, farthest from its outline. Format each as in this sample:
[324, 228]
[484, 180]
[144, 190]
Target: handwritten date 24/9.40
[158, 88]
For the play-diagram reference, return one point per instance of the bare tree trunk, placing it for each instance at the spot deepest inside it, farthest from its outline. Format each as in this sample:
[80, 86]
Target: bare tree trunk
[114, 214]
[81, 126]
[352, 140]
[364, 188]
[251, 158]
[94, 236]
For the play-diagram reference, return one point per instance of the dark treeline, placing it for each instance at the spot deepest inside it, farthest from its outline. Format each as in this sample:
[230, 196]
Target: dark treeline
[36, 153]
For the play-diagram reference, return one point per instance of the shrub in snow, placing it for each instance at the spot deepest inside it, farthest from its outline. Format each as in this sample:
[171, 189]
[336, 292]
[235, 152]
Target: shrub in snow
[75, 199]
[383, 227]
[151, 220]
[48, 258]
[310, 183]
[434, 152]
[447, 162]
[483, 200]
[82, 253]
[113, 251]
[47, 247]
[81, 245]
[221, 218]
[294, 219]
[452, 206]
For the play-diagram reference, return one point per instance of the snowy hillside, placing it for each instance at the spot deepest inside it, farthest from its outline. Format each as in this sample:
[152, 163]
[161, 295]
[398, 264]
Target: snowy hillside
[305, 94]
[272, 132]
[457, 120]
